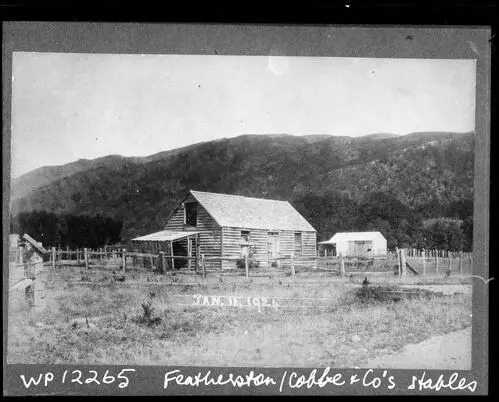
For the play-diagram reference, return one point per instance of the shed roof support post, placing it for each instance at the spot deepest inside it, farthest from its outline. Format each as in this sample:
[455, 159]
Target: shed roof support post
[342, 265]
[192, 252]
[198, 255]
[171, 253]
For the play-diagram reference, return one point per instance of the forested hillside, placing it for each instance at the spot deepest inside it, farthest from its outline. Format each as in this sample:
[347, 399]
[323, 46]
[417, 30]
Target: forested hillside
[377, 182]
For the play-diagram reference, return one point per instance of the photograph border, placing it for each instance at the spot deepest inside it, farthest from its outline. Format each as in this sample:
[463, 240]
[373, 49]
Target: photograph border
[444, 42]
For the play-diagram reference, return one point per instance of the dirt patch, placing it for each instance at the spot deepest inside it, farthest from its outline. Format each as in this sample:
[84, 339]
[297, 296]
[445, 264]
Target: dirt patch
[445, 352]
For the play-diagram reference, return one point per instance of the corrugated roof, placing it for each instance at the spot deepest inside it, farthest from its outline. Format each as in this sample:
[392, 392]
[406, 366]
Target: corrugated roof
[352, 236]
[164, 235]
[252, 213]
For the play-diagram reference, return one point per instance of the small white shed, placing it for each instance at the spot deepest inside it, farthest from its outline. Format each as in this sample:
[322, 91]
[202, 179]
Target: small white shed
[357, 243]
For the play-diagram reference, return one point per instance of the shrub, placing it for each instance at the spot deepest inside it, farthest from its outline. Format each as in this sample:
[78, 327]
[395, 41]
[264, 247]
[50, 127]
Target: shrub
[252, 263]
[385, 294]
[148, 316]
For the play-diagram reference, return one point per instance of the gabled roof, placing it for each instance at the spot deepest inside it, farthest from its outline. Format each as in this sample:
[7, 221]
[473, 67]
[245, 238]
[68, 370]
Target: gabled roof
[252, 213]
[352, 236]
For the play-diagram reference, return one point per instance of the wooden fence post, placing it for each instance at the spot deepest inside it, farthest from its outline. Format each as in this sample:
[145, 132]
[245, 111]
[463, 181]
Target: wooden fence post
[19, 255]
[293, 266]
[450, 260]
[398, 261]
[246, 265]
[85, 256]
[53, 258]
[203, 266]
[436, 262]
[402, 262]
[460, 262]
[124, 259]
[161, 262]
[342, 265]
[38, 284]
[423, 253]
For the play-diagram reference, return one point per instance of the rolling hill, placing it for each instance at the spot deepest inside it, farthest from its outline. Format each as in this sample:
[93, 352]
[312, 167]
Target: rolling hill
[417, 170]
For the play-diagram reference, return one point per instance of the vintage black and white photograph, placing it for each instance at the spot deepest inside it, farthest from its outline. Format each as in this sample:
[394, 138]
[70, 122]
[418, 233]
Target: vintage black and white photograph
[241, 210]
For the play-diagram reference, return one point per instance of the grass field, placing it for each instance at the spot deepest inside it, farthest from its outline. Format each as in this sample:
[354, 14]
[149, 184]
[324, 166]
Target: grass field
[336, 326]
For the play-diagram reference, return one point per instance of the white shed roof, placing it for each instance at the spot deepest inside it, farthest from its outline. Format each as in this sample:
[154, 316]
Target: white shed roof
[352, 236]
[165, 235]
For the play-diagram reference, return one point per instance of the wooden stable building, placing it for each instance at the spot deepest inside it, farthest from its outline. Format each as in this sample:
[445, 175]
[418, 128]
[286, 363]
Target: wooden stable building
[231, 226]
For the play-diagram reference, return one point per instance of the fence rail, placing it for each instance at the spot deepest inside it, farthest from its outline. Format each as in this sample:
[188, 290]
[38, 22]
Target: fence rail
[84, 266]
[416, 262]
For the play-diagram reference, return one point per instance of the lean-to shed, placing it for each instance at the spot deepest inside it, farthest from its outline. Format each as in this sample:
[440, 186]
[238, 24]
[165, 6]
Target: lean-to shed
[230, 226]
[356, 244]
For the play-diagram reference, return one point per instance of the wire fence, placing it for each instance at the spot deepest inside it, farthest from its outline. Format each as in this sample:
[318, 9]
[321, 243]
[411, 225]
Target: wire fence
[102, 267]
[116, 264]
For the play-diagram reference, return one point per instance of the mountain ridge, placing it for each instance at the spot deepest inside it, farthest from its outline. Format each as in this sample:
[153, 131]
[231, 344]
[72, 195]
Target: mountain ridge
[142, 190]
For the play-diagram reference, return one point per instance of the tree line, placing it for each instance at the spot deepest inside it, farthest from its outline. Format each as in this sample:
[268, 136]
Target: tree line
[75, 231]
[402, 226]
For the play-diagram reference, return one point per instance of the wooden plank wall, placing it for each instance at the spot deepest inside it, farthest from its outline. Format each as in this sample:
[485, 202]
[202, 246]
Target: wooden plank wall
[309, 245]
[231, 238]
[309, 240]
[152, 247]
[209, 239]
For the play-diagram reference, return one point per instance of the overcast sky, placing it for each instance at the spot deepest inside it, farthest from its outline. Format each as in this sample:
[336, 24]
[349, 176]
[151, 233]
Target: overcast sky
[71, 106]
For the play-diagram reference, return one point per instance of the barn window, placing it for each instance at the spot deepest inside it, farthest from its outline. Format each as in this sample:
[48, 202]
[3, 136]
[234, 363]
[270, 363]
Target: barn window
[191, 213]
[298, 244]
[245, 235]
